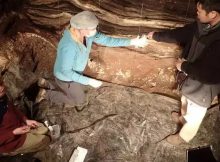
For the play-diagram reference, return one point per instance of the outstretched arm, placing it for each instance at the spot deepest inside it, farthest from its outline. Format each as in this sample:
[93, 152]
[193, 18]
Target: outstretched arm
[117, 42]
[180, 35]
[111, 41]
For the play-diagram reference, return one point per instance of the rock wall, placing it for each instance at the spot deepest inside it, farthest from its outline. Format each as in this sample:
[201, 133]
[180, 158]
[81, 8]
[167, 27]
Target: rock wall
[153, 67]
[116, 17]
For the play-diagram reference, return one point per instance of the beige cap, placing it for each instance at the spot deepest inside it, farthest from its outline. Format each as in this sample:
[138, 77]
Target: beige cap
[84, 20]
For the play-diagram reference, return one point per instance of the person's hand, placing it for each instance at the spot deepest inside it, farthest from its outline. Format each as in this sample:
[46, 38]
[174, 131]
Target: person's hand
[32, 123]
[21, 130]
[179, 64]
[139, 41]
[150, 35]
[95, 83]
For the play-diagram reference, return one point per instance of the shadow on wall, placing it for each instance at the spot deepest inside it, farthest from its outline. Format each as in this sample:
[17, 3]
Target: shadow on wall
[7, 6]
[8, 16]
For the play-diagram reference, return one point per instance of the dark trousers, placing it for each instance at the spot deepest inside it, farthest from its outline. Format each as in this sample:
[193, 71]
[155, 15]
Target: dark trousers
[70, 93]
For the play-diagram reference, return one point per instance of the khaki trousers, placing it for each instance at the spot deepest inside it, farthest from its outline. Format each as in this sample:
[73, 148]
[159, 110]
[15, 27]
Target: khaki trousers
[36, 140]
[193, 116]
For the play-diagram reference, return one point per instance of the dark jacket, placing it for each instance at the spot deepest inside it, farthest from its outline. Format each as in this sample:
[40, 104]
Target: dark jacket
[201, 49]
[11, 120]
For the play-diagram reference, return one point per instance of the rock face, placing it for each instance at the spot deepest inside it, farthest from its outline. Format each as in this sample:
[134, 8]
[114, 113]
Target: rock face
[152, 71]
[152, 67]
[24, 60]
[116, 17]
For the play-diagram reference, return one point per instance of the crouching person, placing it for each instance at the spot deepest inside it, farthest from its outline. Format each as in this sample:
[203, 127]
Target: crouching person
[17, 133]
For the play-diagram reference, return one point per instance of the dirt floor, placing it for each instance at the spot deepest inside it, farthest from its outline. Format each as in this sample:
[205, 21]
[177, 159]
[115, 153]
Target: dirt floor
[122, 124]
